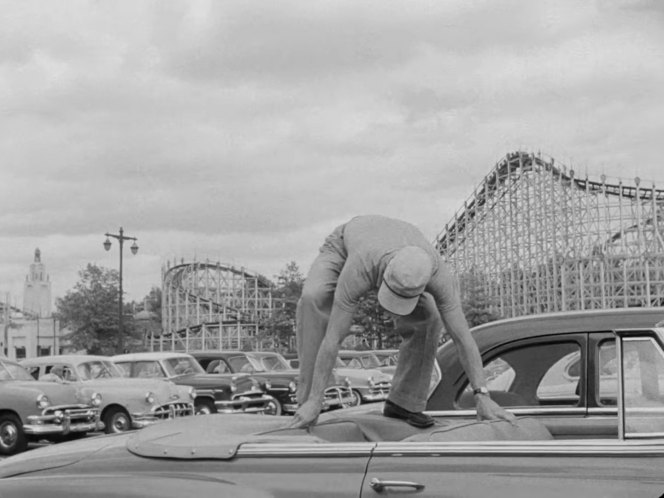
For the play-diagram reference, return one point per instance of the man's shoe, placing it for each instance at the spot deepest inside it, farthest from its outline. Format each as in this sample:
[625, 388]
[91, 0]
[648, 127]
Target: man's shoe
[416, 419]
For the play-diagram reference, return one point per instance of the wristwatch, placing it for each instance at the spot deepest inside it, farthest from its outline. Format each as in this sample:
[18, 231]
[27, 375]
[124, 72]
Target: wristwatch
[481, 390]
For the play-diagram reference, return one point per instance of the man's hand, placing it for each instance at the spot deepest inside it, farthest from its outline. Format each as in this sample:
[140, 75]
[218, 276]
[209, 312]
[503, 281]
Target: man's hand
[488, 409]
[306, 415]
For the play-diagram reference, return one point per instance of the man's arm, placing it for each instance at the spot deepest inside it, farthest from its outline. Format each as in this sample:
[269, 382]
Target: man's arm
[469, 355]
[338, 328]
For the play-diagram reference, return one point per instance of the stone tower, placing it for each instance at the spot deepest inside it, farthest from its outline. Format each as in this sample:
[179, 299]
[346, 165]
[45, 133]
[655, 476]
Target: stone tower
[37, 289]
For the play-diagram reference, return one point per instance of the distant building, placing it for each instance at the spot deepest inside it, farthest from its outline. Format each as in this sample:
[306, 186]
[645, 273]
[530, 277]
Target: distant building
[37, 289]
[31, 331]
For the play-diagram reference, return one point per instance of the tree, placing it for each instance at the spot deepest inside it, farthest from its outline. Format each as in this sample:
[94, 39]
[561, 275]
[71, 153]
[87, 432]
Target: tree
[279, 327]
[475, 303]
[375, 324]
[90, 312]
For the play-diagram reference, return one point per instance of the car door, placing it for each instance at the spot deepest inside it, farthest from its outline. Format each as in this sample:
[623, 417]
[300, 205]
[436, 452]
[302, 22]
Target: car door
[513, 470]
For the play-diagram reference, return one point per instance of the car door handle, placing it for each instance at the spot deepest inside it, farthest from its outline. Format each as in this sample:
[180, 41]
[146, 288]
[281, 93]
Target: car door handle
[379, 485]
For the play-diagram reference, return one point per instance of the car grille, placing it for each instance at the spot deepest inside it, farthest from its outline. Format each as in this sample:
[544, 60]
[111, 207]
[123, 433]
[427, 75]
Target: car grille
[173, 410]
[334, 392]
[77, 413]
[380, 388]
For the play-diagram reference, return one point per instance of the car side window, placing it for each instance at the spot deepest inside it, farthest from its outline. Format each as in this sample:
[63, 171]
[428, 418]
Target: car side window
[354, 363]
[608, 373]
[543, 374]
[217, 366]
[643, 385]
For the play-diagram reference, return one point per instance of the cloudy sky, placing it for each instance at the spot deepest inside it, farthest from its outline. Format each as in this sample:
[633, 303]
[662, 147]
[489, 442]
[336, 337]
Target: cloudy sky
[244, 131]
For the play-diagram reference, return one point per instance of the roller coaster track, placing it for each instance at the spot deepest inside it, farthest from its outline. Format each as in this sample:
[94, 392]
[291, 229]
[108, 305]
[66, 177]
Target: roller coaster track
[538, 238]
[209, 305]
[510, 170]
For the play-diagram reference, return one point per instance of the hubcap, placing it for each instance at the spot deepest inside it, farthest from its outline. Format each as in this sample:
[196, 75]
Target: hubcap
[120, 423]
[203, 410]
[8, 435]
[272, 408]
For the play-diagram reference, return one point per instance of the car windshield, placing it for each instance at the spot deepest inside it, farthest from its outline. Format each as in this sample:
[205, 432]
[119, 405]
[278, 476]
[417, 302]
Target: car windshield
[182, 365]
[13, 371]
[97, 369]
[275, 362]
[245, 364]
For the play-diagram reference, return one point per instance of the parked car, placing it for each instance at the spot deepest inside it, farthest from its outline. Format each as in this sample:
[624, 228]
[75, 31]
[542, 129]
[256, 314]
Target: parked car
[32, 410]
[388, 360]
[127, 403]
[214, 394]
[358, 452]
[292, 360]
[368, 383]
[560, 367]
[275, 376]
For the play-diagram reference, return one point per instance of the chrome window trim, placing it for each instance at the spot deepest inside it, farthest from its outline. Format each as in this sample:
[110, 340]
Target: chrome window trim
[313, 449]
[526, 411]
[476, 448]
[530, 448]
[532, 411]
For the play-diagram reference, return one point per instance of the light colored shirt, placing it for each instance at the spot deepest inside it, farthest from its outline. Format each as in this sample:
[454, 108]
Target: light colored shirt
[370, 242]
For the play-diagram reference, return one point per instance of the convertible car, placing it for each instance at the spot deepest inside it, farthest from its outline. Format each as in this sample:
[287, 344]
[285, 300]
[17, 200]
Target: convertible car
[357, 452]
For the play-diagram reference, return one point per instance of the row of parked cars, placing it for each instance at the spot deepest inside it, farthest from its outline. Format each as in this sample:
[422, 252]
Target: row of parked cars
[67, 396]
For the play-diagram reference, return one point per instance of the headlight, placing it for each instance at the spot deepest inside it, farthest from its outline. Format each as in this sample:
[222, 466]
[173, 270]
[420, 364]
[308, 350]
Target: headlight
[95, 400]
[43, 402]
[192, 393]
[59, 416]
[292, 386]
[149, 397]
[233, 387]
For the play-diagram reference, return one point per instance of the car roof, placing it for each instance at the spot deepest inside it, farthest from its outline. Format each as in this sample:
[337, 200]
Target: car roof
[565, 322]
[157, 355]
[218, 354]
[70, 358]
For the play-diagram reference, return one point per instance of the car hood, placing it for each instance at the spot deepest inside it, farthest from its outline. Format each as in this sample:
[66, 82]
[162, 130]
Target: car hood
[58, 394]
[160, 387]
[61, 455]
[202, 380]
[363, 374]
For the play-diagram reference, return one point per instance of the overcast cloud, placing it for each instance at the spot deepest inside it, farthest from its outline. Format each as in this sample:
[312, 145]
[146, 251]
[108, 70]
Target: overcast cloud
[244, 132]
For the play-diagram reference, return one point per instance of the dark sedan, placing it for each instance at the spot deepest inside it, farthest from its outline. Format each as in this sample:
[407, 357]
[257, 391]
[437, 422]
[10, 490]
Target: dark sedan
[275, 376]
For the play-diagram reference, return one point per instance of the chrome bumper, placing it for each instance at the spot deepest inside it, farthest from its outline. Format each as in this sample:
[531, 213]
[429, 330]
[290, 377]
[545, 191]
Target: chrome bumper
[335, 397]
[249, 402]
[64, 420]
[377, 392]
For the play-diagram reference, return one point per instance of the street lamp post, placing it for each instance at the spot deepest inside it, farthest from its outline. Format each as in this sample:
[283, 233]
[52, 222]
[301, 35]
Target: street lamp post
[120, 237]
